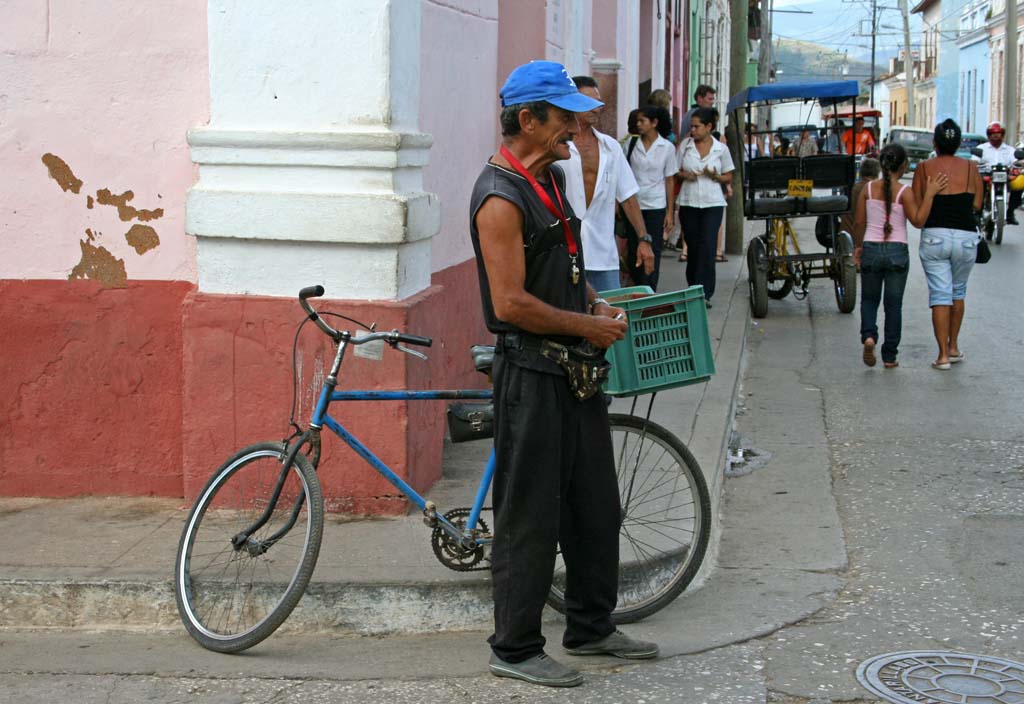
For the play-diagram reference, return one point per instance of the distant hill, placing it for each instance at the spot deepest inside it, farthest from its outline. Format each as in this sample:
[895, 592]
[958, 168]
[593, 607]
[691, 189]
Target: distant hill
[801, 62]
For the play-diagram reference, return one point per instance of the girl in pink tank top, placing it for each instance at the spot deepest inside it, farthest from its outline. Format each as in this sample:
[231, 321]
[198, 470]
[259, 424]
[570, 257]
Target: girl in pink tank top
[880, 250]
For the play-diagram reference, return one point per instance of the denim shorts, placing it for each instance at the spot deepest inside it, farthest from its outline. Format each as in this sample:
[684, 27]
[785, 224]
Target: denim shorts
[947, 257]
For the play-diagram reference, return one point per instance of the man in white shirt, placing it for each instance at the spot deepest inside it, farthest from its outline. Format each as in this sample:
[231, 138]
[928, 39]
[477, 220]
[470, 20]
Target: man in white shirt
[995, 151]
[596, 177]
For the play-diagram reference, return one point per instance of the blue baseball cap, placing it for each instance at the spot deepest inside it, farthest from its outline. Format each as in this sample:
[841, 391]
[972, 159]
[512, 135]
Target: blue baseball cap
[545, 81]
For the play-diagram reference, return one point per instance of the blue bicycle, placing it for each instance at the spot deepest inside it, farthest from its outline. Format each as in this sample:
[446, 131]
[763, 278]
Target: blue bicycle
[251, 541]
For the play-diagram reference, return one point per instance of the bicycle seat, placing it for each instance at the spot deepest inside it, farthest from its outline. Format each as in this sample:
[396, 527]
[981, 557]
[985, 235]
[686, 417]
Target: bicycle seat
[483, 357]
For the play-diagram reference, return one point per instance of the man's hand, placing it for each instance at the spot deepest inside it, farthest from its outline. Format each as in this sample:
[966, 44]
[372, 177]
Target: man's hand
[604, 331]
[645, 257]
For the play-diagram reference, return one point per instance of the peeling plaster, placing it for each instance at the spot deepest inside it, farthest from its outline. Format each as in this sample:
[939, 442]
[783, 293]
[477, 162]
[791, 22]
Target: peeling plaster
[100, 265]
[125, 211]
[61, 173]
[142, 237]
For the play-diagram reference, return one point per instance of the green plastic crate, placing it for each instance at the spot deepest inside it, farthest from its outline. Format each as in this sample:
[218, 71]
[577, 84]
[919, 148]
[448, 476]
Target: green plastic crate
[667, 343]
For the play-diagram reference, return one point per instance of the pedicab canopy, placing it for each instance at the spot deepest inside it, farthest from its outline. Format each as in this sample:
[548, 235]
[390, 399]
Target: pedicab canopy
[826, 93]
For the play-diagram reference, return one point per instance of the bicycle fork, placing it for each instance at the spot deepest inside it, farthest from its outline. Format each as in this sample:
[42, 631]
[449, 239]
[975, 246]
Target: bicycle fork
[258, 547]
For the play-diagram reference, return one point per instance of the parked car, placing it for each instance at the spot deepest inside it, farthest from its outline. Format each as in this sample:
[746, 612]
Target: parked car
[918, 141]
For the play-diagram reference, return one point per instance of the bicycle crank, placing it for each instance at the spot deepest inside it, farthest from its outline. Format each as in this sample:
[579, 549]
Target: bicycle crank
[464, 555]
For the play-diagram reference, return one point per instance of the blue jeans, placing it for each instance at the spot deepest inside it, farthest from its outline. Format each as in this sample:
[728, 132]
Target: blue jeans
[947, 257]
[883, 278]
[603, 280]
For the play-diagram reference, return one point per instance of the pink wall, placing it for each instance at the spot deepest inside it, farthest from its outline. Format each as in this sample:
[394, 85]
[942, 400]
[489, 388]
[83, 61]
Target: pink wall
[109, 90]
[521, 38]
[647, 14]
[458, 106]
[605, 19]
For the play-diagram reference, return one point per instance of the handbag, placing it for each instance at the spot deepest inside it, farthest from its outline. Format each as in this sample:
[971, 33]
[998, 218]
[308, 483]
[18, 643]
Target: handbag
[984, 252]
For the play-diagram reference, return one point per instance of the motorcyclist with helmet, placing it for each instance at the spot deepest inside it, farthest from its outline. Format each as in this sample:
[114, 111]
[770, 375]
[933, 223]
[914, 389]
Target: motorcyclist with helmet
[995, 151]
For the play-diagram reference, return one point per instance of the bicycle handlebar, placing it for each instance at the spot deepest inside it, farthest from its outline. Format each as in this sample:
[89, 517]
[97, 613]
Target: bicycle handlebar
[393, 337]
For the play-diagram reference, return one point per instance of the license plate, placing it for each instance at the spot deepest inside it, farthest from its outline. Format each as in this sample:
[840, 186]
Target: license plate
[998, 177]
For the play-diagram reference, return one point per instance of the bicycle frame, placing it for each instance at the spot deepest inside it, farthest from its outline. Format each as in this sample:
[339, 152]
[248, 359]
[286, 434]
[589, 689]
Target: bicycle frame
[322, 418]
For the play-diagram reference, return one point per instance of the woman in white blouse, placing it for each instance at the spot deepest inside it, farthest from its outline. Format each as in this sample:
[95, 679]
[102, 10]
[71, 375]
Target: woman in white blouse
[653, 161]
[705, 166]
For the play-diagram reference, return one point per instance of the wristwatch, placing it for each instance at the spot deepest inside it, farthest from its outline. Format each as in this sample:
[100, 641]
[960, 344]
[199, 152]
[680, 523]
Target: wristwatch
[595, 303]
[646, 238]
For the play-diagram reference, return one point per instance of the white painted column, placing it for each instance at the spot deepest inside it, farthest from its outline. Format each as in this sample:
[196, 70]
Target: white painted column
[628, 43]
[311, 166]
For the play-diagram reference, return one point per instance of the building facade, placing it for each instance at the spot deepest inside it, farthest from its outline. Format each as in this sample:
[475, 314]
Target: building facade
[179, 170]
[974, 82]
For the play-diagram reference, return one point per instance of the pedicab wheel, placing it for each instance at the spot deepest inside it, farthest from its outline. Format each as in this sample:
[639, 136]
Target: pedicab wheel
[844, 274]
[780, 287]
[757, 277]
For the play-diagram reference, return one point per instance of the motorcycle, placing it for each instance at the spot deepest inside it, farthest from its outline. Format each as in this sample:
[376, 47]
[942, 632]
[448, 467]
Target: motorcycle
[996, 180]
[993, 210]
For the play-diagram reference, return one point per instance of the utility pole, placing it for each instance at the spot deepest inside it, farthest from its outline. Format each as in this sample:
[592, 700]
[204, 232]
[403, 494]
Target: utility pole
[1010, 93]
[874, 30]
[909, 64]
[738, 50]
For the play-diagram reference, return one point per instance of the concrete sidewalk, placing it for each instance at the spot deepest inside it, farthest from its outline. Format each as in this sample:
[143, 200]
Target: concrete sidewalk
[106, 563]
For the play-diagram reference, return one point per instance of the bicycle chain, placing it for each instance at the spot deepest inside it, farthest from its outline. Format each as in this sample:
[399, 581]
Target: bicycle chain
[451, 553]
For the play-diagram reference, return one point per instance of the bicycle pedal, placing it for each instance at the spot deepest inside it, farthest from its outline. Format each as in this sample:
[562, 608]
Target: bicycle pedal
[430, 515]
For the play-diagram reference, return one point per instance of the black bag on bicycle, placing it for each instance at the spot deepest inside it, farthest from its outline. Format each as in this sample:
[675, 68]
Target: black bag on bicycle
[470, 421]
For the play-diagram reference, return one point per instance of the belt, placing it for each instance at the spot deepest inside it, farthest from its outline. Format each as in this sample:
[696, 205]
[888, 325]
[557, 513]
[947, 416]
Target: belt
[518, 341]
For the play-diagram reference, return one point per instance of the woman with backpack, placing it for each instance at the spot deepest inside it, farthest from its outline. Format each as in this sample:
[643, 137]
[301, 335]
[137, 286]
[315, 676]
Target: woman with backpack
[653, 161]
[880, 249]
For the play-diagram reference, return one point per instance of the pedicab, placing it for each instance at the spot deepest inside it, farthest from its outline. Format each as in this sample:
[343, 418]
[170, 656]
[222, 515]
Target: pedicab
[779, 187]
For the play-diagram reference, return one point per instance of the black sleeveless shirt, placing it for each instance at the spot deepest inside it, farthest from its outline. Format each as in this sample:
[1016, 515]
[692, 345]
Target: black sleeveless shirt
[548, 266]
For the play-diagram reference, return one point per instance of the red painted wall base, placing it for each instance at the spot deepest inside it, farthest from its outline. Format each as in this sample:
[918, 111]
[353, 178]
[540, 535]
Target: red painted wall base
[146, 390]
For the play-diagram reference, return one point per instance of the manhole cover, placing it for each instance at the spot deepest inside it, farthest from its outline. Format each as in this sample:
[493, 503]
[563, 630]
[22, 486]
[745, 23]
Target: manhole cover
[937, 677]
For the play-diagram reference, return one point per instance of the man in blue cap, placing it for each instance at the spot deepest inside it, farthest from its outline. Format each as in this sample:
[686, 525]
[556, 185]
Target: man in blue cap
[554, 480]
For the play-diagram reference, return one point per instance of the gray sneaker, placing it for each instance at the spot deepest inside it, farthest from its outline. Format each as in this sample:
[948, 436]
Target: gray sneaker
[620, 645]
[540, 669]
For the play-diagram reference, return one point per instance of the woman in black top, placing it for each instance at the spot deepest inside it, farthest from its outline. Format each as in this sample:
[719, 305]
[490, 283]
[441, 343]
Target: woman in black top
[949, 240]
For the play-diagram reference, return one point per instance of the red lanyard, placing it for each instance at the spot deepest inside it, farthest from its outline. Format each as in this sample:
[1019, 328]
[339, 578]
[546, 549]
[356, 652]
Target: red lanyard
[570, 241]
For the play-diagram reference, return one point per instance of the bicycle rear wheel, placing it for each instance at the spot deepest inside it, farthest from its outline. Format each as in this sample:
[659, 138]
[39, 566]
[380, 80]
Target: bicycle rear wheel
[665, 520]
[232, 597]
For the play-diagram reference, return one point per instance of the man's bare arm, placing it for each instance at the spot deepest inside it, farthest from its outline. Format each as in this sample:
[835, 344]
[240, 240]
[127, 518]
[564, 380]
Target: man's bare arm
[500, 226]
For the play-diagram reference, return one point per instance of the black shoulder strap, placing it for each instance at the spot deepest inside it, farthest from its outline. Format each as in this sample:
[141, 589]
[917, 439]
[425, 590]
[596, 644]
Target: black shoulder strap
[630, 148]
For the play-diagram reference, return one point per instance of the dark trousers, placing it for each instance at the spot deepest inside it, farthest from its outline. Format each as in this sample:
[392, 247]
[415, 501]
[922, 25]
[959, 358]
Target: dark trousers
[883, 277]
[554, 483]
[654, 223]
[1014, 202]
[700, 230]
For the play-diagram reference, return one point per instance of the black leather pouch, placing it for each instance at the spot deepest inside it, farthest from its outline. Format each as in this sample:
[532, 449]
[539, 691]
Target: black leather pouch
[470, 421]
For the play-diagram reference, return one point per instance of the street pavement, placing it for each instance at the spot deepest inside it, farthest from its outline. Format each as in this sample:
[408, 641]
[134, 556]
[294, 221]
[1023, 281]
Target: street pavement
[873, 511]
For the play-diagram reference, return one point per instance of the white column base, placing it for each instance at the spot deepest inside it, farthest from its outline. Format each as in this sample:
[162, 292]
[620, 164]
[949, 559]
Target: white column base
[276, 211]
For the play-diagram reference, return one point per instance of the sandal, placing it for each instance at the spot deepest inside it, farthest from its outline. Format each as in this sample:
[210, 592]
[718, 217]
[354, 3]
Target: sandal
[869, 352]
[942, 366]
[720, 258]
[954, 358]
[890, 365]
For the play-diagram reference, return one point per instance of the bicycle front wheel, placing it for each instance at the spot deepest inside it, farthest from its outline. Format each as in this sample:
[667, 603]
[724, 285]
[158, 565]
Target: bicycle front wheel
[665, 519]
[234, 592]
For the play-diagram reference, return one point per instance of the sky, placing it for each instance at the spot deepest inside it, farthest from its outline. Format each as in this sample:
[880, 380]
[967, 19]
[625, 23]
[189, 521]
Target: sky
[835, 24]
